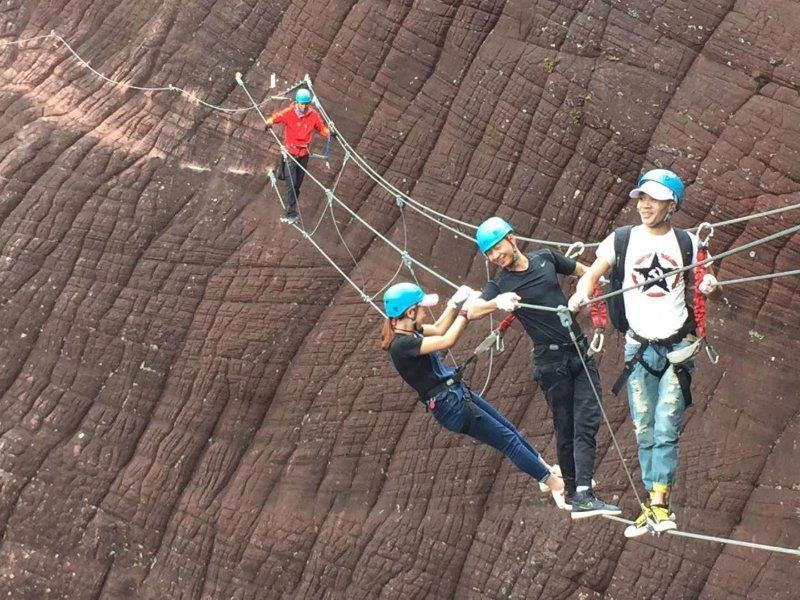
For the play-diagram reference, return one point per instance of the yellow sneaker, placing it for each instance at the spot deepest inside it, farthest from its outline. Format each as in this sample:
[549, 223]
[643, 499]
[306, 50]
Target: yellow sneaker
[661, 519]
[640, 525]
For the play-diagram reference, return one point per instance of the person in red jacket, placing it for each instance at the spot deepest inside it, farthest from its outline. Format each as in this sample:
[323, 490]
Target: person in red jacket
[299, 121]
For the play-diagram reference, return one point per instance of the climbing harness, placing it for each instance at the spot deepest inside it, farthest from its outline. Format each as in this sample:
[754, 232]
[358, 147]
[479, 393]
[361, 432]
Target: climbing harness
[683, 374]
[452, 384]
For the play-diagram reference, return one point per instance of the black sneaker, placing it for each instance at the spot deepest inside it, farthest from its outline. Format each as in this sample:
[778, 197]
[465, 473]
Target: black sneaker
[586, 504]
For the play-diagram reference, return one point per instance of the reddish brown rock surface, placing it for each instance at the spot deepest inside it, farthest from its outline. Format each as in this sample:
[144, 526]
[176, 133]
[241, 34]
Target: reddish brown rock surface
[193, 402]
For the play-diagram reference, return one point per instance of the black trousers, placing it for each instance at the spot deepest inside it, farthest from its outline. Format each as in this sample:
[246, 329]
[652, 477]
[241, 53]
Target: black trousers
[576, 413]
[292, 179]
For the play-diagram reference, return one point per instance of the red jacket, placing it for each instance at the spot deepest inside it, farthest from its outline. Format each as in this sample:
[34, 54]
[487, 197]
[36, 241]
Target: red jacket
[297, 130]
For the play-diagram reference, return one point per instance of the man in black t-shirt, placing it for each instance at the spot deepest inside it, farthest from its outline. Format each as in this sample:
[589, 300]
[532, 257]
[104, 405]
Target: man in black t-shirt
[557, 367]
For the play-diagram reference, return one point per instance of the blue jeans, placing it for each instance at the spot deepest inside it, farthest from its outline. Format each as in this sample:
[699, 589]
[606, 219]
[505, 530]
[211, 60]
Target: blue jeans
[482, 422]
[657, 407]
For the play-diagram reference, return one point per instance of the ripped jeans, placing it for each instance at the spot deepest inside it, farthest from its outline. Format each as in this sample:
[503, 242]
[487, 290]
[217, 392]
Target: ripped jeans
[657, 408]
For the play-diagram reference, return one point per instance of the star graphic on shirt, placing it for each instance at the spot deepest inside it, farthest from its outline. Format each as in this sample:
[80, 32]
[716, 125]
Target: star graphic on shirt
[655, 270]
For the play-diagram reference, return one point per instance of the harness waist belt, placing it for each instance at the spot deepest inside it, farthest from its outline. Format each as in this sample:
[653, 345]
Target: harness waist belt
[442, 386]
[583, 343]
[683, 375]
[668, 342]
[472, 412]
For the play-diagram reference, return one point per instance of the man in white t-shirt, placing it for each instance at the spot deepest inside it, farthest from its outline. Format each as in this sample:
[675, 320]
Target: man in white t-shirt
[658, 322]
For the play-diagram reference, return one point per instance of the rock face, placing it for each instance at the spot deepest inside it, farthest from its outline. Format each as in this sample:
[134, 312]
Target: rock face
[193, 401]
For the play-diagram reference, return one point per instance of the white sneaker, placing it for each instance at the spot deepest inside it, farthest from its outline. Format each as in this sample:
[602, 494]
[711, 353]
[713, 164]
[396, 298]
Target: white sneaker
[561, 500]
[543, 487]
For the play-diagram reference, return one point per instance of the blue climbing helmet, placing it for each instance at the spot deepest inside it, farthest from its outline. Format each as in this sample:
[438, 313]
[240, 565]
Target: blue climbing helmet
[402, 296]
[490, 232]
[660, 184]
[303, 96]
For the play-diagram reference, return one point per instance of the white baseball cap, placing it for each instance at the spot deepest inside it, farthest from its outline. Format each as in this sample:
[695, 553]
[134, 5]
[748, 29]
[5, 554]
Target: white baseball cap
[657, 191]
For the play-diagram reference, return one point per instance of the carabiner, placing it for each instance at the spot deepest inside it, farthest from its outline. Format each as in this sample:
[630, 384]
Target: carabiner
[598, 339]
[712, 354]
[575, 250]
[703, 241]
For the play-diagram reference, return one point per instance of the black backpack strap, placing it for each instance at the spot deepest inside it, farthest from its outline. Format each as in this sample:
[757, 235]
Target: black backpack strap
[687, 248]
[622, 238]
[616, 304]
